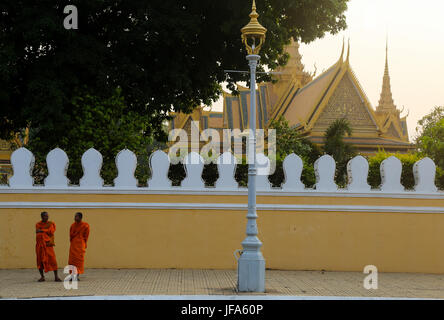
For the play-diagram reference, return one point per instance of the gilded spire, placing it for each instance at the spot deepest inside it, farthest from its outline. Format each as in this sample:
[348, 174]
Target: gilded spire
[386, 103]
[295, 61]
[348, 52]
[341, 59]
[294, 67]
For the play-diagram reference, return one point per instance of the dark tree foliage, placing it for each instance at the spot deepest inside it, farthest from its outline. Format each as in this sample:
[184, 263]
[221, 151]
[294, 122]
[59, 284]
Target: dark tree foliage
[103, 124]
[163, 54]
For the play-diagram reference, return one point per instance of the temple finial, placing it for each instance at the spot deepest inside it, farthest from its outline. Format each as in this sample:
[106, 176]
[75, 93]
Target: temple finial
[341, 58]
[294, 67]
[348, 51]
[386, 103]
[386, 70]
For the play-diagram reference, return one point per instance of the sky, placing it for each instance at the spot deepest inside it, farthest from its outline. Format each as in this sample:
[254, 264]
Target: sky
[415, 31]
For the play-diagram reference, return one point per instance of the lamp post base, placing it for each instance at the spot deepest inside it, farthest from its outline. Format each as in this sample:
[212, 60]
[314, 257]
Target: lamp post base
[251, 272]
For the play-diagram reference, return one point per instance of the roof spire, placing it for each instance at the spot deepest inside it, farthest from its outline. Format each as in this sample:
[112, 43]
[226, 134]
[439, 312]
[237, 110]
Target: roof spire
[348, 51]
[294, 67]
[386, 103]
[341, 59]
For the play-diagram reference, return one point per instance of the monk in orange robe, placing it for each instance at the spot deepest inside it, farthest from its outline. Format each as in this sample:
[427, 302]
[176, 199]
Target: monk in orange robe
[78, 235]
[44, 248]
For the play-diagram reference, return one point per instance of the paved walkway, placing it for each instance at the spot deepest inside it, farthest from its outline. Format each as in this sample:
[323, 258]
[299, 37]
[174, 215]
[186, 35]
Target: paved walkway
[22, 283]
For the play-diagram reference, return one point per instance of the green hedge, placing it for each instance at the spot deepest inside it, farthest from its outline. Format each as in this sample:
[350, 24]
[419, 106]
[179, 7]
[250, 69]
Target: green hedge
[407, 177]
[3, 179]
[210, 174]
[407, 160]
[439, 178]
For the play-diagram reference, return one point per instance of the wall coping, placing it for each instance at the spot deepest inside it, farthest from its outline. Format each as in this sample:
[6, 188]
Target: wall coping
[222, 206]
[234, 192]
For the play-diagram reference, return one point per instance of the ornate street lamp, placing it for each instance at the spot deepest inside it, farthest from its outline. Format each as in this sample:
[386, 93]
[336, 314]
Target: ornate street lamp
[251, 264]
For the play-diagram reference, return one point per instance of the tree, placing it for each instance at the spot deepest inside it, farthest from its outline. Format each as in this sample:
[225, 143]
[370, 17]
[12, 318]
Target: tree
[430, 139]
[289, 140]
[336, 147]
[105, 125]
[164, 55]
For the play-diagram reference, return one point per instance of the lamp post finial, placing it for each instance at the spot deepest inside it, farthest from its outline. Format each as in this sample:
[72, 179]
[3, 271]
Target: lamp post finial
[252, 32]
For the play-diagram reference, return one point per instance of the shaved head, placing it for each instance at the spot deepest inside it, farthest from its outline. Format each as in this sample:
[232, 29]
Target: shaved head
[78, 217]
[44, 215]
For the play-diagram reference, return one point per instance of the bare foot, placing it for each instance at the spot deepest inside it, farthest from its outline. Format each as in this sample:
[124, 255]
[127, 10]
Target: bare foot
[58, 280]
[41, 279]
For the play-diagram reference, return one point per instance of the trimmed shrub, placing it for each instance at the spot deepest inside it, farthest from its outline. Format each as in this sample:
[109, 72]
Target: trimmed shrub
[210, 174]
[407, 160]
[439, 180]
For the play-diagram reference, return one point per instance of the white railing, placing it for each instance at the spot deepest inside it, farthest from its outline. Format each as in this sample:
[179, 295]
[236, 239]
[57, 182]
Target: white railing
[22, 161]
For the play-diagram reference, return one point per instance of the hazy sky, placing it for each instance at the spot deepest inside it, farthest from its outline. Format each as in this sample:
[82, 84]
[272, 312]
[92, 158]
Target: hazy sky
[416, 52]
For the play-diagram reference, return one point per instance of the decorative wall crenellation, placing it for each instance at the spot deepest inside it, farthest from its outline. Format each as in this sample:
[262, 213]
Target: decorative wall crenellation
[22, 161]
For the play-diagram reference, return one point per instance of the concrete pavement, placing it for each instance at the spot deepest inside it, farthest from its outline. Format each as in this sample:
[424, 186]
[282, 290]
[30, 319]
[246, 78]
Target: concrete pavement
[22, 283]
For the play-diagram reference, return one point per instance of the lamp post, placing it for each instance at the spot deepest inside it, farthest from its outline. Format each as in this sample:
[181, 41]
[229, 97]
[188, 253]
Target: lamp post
[251, 264]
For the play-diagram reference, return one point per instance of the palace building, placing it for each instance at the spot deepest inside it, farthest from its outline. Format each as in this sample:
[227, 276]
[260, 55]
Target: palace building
[310, 104]
[5, 164]
[6, 151]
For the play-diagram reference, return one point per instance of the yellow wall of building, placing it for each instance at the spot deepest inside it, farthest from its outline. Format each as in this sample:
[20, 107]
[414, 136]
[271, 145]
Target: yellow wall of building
[293, 239]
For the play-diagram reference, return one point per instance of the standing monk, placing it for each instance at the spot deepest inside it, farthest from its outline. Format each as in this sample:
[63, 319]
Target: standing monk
[78, 235]
[44, 248]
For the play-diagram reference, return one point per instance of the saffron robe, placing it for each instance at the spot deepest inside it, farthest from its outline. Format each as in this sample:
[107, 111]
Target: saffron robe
[78, 235]
[44, 247]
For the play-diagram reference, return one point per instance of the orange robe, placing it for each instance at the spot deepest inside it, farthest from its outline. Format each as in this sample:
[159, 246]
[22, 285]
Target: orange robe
[44, 247]
[78, 235]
